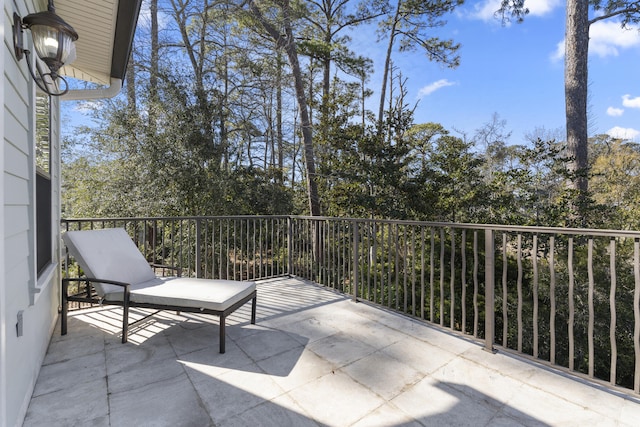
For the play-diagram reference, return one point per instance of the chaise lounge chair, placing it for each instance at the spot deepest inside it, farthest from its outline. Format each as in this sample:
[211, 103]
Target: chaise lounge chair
[121, 276]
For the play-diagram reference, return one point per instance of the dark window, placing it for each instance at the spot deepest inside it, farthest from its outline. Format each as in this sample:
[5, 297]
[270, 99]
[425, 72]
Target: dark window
[43, 182]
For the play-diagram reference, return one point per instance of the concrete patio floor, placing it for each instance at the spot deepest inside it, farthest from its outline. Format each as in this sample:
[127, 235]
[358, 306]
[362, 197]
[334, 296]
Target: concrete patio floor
[314, 358]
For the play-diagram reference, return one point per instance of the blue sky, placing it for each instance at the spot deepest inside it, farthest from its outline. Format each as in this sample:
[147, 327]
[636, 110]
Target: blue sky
[517, 71]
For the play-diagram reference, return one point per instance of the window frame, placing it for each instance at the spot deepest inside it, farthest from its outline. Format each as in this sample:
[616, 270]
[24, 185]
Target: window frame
[43, 200]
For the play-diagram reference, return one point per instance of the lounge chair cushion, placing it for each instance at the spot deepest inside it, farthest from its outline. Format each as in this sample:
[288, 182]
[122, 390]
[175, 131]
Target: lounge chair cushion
[108, 254]
[188, 292]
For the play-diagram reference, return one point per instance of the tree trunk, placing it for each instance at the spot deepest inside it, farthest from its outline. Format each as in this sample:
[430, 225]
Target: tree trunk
[153, 72]
[131, 85]
[575, 80]
[387, 66]
[279, 131]
[287, 42]
[307, 136]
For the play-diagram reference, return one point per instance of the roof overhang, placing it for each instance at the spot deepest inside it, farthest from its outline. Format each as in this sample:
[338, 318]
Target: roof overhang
[106, 29]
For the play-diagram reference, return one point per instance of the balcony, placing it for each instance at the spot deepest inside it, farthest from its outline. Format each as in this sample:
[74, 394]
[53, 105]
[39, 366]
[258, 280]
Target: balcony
[364, 322]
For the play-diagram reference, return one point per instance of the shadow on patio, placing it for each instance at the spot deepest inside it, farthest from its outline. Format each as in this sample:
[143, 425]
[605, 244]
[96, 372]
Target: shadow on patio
[313, 358]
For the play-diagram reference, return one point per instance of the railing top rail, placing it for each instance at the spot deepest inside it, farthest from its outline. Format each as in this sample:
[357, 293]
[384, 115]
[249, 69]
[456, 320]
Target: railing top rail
[494, 227]
[174, 218]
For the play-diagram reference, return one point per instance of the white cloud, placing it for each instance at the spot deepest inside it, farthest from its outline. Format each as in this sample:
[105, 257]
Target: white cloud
[623, 133]
[558, 55]
[541, 7]
[614, 112]
[607, 37]
[429, 89]
[486, 10]
[629, 102]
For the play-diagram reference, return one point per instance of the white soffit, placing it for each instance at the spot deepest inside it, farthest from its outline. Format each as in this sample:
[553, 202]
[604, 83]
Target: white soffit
[95, 23]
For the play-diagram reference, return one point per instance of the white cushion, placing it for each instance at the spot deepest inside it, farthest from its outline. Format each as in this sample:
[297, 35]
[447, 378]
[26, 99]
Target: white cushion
[188, 292]
[108, 254]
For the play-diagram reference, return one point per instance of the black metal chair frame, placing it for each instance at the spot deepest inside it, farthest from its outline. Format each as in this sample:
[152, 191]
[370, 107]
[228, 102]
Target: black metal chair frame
[126, 303]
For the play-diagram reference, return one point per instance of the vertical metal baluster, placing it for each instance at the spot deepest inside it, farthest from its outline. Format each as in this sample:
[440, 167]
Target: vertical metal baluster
[268, 247]
[254, 247]
[250, 256]
[432, 306]
[363, 263]
[333, 273]
[396, 283]
[505, 295]
[636, 313]
[591, 308]
[442, 276]
[366, 258]
[213, 248]
[489, 289]
[389, 281]
[452, 290]
[145, 248]
[535, 296]
[220, 240]
[287, 239]
[307, 249]
[198, 244]
[205, 248]
[235, 248]
[413, 270]
[228, 260]
[360, 261]
[422, 299]
[375, 263]
[322, 254]
[405, 257]
[519, 284]
[244, 248]
[612, 308]
[552, 298]
[463, 280]
[276, 233]
[572, 308]
[260, 270]
[476, 309]
[356, 243]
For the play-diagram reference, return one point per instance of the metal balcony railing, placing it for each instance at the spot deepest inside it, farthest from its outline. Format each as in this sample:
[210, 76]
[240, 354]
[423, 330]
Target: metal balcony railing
[566, 297]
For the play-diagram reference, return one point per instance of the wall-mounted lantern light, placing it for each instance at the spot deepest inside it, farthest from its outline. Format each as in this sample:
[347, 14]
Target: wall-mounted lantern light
[53, 40]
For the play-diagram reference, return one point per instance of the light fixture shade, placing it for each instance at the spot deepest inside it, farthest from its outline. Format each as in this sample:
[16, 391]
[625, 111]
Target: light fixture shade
[53, 39]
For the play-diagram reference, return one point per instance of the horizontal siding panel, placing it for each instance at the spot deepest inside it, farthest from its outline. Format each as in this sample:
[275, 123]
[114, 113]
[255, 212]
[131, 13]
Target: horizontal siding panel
[15, 132]
[16, 162]
[16, 190]
[17, 279]
[16, 73]
[17, 259]
[16, 220]
[16, 123]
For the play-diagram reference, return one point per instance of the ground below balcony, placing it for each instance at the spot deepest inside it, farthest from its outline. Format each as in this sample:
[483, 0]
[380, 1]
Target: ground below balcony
[314, 358]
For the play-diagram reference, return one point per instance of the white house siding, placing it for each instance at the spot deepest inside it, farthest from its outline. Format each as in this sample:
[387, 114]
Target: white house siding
[3, 328]
[20, 291]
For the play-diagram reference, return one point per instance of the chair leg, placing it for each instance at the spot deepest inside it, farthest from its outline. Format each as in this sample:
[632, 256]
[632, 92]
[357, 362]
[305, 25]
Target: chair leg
[65, 309]
[253, 310]
[125, 317]
[222, 333]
